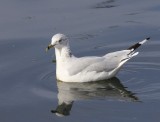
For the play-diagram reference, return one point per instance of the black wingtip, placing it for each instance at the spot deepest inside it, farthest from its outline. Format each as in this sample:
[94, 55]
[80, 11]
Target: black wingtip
[148, 38]
[53, 111]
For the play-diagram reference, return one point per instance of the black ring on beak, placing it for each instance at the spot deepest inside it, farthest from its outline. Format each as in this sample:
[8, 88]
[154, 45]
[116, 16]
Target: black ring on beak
[49, 47]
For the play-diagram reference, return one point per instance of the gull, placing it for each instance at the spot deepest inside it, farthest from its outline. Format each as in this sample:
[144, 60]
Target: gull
[89, 68]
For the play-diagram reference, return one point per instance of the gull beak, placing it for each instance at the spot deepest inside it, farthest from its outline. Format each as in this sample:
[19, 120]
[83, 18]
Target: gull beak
[49, 46]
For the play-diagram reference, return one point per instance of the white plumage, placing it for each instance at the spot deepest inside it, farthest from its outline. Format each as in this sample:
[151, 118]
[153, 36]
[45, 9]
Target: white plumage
[90, 68]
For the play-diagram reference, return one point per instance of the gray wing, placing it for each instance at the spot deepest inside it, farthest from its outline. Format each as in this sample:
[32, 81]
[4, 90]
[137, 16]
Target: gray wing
[99, 64]
[77, 65]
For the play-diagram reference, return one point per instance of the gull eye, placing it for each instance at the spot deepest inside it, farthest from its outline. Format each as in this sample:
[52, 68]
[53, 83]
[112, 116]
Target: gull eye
[60, 40]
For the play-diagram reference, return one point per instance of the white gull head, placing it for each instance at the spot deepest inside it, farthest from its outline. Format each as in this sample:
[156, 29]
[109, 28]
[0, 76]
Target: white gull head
[59, 41]
[61, 44]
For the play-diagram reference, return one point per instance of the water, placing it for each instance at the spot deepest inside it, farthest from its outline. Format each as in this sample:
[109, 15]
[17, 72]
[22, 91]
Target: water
[28, 87]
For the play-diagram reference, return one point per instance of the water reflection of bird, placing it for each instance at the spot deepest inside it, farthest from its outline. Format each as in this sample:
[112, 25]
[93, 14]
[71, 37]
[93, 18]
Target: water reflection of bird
[108, 89]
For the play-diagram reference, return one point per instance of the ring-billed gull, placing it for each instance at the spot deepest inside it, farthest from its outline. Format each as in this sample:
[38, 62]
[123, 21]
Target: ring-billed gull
[90, 68]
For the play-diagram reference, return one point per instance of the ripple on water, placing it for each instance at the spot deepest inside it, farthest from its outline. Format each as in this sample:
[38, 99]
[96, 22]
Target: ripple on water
[45, 86]
[105, 4]
[145, 80]
[44, 93]
[47, 75]
[144, 65]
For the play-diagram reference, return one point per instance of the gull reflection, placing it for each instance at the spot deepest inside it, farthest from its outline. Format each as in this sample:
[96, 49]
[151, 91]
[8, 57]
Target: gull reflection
[111, 89]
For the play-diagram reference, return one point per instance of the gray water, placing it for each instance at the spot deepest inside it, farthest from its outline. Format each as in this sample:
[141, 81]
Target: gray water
[29, 91]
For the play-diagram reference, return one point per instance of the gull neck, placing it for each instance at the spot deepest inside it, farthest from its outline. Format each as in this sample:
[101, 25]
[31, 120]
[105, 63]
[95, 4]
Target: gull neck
[63, 53]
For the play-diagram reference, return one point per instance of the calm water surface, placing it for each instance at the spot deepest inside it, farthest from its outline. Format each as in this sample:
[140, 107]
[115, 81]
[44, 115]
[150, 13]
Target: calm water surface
[29, 90]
